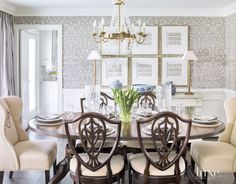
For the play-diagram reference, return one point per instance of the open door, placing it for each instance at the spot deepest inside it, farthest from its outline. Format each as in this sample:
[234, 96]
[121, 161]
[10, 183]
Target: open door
[29, 74]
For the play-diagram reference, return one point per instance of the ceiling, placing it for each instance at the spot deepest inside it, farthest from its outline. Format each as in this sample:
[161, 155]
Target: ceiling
[130, 3]
[135, 7]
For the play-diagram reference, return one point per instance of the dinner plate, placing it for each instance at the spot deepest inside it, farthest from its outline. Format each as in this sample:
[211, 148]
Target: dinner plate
[147, 130]
[109, 131]
[148, 115]
[49, 120]
[205, 119]
[48, 116]
[49, 123]
[212, 125]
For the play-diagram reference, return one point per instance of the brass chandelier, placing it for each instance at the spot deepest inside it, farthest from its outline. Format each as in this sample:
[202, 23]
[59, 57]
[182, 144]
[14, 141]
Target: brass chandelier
[120, 28]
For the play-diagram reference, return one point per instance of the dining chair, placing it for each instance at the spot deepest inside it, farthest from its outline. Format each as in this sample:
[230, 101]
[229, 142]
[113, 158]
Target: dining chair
[104, 101]
[92, 165]
[165, 164]
[217, 156]
[147, 97]
[17, 152]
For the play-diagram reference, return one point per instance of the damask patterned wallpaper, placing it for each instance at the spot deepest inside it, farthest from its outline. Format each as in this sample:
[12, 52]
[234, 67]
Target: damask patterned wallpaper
[207, 40]
[230, 51]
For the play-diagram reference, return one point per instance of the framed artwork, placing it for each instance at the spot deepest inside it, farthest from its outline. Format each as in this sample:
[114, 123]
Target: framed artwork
[145, 71]
[114, 69]
[174, 39]
[174, 69]
[150, 44]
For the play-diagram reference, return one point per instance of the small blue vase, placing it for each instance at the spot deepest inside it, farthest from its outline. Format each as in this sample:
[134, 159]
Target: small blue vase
[116, 85]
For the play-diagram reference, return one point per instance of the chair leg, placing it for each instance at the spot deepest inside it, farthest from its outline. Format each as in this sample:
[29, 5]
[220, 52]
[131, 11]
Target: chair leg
[235, 175]
[11, 174]
[1, 177]
[54, 167]
[193, 164]
[123, 179]
[129, 173]
[204, 177]
[47, 176]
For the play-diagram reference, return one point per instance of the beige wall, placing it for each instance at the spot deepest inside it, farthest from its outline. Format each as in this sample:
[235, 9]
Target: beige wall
[207, 40]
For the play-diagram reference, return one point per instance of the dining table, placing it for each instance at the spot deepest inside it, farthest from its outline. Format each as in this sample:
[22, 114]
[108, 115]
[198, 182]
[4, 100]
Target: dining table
[58, 130]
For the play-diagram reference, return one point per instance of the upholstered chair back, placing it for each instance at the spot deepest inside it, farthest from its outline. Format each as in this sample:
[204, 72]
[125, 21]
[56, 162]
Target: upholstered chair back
[10, 131]
[229, 134]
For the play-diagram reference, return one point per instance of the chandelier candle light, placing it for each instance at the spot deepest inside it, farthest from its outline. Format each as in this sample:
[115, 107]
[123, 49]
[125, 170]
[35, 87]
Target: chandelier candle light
[189, 56]
[120, 27]
[94, 56]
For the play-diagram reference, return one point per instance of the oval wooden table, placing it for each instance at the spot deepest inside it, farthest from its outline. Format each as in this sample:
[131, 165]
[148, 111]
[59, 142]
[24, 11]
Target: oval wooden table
[59, 131]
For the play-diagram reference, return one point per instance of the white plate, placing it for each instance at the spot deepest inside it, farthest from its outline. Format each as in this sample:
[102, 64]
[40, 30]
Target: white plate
[109, 131]
[49, 124]
[48, 116]
[48, 120]
[147, 130]
[148, 115]
[212, 125]
[205, 119]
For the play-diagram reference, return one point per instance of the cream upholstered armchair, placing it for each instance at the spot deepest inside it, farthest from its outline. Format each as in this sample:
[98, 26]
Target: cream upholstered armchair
[17, 152]
[220, 156]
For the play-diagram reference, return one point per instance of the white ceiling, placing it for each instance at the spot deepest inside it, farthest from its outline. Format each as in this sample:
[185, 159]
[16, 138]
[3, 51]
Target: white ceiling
[130, 3]
[135, 7]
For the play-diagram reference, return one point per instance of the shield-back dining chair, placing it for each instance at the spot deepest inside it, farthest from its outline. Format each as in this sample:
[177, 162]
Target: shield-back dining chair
[17, 152]
[165, 164]
[92, 165]
[147, 97]
[104, 98]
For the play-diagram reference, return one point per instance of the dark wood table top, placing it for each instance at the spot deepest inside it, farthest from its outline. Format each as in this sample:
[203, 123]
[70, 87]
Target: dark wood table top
[59, 131]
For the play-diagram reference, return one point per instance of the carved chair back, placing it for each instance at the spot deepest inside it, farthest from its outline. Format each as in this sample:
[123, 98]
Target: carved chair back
[105, 98]
[165, 128]
[148, 98]
[93, 132]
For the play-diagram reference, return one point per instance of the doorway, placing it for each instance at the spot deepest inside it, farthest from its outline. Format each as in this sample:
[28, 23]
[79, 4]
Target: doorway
[40, 69]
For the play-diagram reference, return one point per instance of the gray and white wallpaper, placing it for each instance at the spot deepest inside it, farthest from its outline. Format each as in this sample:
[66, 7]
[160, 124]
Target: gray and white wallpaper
[230, 51]
[207, 40]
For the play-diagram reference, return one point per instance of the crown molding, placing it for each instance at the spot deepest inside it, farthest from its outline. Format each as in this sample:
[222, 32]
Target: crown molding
[197, 12]
[230, 9]
[4, 6]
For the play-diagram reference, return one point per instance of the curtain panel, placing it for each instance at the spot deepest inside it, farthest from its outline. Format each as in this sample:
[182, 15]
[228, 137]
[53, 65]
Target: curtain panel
[7, 58]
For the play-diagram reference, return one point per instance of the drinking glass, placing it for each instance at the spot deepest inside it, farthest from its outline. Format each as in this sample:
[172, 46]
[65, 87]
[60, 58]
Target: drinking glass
[92, 95]
[180, 109]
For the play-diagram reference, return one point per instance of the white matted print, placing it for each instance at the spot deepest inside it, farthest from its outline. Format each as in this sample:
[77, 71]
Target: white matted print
[150, 44]
[145, 71]
[114, 69]
[174, 69]
[174, 39]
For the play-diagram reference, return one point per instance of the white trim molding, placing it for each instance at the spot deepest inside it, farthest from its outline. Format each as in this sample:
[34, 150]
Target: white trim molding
[197, 12]
[7, 7]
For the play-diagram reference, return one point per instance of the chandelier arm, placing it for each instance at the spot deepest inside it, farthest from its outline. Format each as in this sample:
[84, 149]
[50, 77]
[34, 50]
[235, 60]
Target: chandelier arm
[97, 39]
[139, 39]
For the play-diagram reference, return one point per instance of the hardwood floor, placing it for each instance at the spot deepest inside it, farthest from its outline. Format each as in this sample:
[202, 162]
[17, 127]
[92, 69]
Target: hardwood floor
[37, 177]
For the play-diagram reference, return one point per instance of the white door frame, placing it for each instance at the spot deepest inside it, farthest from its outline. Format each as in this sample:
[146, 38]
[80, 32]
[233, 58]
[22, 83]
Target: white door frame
[57, 28]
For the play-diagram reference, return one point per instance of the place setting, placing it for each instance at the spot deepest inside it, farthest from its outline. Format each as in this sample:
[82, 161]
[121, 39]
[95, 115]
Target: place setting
[49, 119]
[148, 128]
[205, 120]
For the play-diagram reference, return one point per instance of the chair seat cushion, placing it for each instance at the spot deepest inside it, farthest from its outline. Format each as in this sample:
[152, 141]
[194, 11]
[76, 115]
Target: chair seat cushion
[214, 156]
[138, 163]
[117, 164]
[36, 155]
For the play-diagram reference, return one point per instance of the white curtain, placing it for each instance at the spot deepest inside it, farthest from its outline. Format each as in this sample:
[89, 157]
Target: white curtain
[7, 59]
